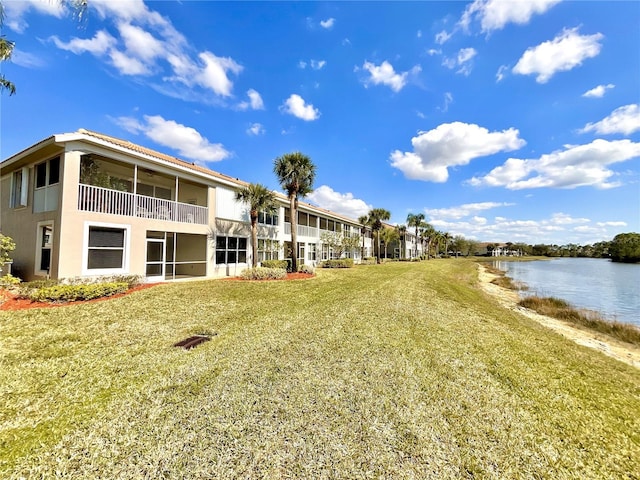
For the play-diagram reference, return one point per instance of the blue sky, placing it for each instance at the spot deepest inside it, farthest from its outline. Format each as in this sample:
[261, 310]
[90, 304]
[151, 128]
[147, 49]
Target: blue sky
[500, 121]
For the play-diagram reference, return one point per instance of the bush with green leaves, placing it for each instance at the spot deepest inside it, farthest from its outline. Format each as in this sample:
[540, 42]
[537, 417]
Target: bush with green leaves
[338, 263]
[274, 264]
[368, 261]
[263, 273]
[71, 293]
[9, 280]
[7, 245]
[306, 269]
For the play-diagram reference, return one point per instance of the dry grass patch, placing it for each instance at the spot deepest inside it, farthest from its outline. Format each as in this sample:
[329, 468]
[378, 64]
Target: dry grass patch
[401, 370]
[562, 310]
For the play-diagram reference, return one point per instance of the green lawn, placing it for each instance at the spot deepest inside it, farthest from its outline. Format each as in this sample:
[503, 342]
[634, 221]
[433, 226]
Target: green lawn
[401, 370]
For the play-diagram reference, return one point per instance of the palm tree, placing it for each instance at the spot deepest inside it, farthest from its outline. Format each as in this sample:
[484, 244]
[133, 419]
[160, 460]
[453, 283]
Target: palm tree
[364, 221]
[402, 231]
[296, 173]
[6, 49]
[415, 221]
[428, 234]
[446, 236]
[376, 217]
[259, 199]
[389, 235]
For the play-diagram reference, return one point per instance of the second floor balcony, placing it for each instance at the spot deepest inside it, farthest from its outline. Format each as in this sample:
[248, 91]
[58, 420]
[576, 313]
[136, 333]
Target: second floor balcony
[114, 202]
[119, 188]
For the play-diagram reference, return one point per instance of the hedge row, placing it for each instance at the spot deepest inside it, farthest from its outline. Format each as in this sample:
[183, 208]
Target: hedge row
[263, 273]
[339, 263]
[71, 293]
[275, 264]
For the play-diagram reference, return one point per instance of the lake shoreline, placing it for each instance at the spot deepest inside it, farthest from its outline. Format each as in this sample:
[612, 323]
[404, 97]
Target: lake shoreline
[609, 346]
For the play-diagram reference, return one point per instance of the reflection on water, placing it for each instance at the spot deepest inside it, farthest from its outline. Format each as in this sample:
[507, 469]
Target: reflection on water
[613, 289]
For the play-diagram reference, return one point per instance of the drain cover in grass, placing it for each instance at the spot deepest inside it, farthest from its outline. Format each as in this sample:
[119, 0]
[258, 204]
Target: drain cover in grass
[191, 342]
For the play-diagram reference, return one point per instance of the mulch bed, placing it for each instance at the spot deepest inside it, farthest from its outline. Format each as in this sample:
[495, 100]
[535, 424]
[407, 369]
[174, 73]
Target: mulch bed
[8, 301]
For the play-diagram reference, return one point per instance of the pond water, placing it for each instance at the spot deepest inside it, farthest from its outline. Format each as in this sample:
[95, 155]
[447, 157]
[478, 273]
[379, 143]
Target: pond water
[612, 289]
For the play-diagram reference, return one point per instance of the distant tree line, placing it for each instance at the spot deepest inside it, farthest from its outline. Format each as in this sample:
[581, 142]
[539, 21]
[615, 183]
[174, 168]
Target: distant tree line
[624, 247]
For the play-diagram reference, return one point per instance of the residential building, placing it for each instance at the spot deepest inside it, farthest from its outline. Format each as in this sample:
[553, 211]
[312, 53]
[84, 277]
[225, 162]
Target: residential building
[85, 204]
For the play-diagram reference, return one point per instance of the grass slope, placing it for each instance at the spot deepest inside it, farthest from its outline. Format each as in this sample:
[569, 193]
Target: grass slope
[394, 371]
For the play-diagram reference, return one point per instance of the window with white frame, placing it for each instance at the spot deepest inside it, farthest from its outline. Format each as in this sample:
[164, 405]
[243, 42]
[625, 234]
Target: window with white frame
[311, 252]
[19, 188]
[231, 250]
[106, 249]
[268, 249]
[47, 179]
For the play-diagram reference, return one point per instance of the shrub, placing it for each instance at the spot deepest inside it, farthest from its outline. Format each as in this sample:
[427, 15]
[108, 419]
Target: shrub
[306, 269]
[263, 273]
[368, 261]
[274, 264]
[25, 289]
[339, 263]
[71, 293]
[130, 280]
[9, 280]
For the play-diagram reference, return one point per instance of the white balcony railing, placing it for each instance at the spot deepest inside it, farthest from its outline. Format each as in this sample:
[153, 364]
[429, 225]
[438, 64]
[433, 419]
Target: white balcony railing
[303, 230]
[105, 200]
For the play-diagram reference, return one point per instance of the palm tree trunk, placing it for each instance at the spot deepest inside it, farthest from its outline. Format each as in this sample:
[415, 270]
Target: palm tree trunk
[254, 241]
[293, 203]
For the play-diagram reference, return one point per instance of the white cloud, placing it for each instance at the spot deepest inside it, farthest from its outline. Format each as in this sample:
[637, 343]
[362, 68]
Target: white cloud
[147, 45]
[384, 74]
[185, 140]
[433, 51]
[462, 60]
[296, 106]
[465, 210]
[328, 23]
[139, 42]
[451, 145]
[625, 120]
[565, 219]
[558, 228]
[500, 73]
[598, 92]
[575, 166]
[611, 224]
[419, 34]
[318, 64]
[15, 11]
[214, 73]
[495, 14]
[466, 54]
[442, 37]
[128, 65]
[100, 44]
[256, 129]
[255, 101]
[448, 100]
[342, 203]
[568, 50]
[26, 59]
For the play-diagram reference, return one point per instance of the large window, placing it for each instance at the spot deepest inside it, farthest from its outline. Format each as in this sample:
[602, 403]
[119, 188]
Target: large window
[19, 188]
[106, 248]
[47, 180]
[268, 218]
[231, 250]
